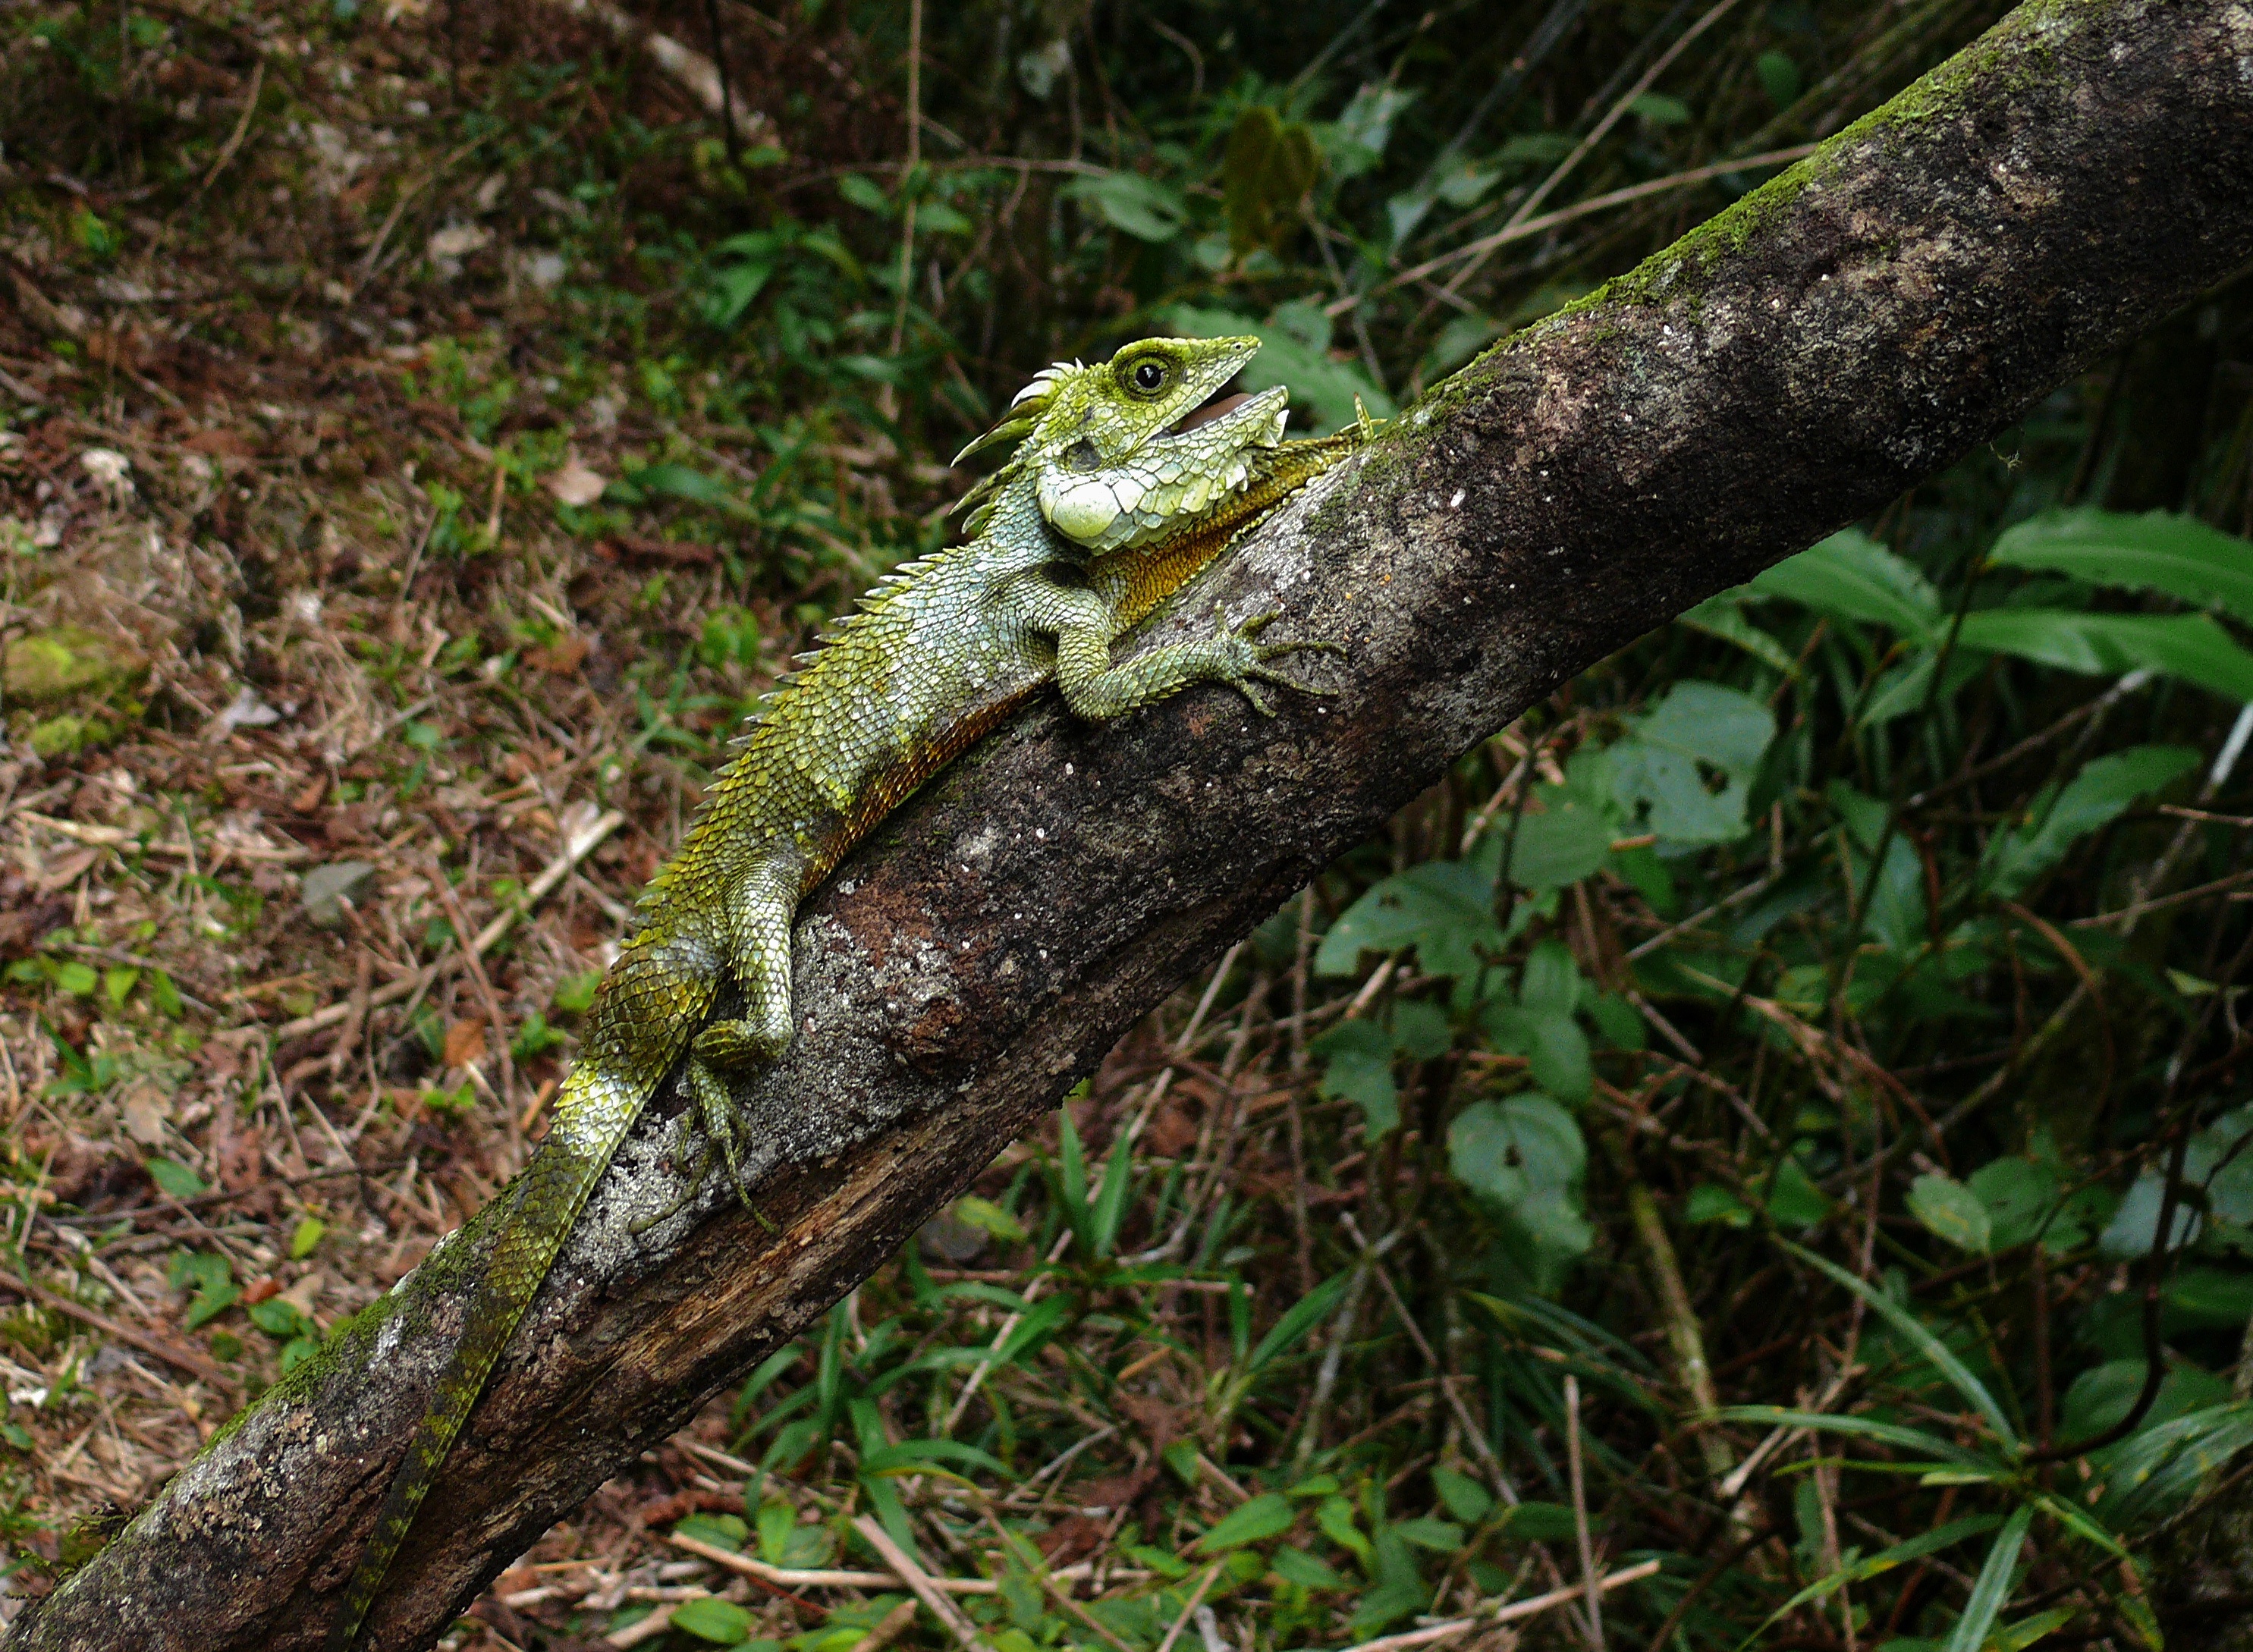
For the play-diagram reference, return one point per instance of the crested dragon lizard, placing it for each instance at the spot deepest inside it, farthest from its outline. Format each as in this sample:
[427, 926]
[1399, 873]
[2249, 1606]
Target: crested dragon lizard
[1124, 483]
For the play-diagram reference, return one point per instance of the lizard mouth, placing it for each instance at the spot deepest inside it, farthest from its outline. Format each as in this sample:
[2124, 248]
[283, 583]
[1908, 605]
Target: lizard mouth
[1238, 420]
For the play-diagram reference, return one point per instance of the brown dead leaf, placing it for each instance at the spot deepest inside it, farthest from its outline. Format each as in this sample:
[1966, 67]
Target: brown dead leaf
[221, 444]
[1171, 1133]
[258, 1290]
[1073, 1537]
[465, 1044]
[310, 798]
[562, 657]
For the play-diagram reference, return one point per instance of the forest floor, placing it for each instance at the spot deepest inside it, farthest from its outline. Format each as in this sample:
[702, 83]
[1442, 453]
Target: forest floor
[316, 662]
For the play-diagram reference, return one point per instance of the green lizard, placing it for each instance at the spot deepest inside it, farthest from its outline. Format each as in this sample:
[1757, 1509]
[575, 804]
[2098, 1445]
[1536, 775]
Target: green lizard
[1122, 485]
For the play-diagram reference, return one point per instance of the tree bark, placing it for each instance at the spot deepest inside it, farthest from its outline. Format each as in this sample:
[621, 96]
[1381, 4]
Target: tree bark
[1904, 294]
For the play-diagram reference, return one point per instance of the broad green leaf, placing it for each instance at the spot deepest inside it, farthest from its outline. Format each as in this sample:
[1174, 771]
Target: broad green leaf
[678, 481]
[173, 1177]
[2135, 1225]
[1551, 984]
[1722, 617]
[2018, 1194]
[1442, 1536]
[1357, 1066]
[1563, 844]
[2057, 819]
[1682, 773]
[1850, 576]
[1296, 1565]
[1443, 909]
[1265, 1515]
[1942, 1360]
[721, 1622]
[2191, 646]
[1466, 1499]
[1509, 1150]
[2178, 555]
[1559, 1060]
[2158, 1465]
[1794, 1201]
[1708, 1203]
[1142, 207]
[1952, 1211]
[1993, 1587]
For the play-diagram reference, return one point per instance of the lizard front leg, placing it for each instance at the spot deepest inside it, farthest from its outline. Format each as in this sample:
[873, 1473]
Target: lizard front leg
[1084, 626]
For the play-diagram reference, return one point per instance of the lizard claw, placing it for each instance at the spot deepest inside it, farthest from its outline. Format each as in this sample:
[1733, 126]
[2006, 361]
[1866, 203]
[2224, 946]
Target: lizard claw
[1252, 656]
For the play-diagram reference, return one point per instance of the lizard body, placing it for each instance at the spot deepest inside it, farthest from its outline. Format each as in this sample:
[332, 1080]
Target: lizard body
[1118, 492]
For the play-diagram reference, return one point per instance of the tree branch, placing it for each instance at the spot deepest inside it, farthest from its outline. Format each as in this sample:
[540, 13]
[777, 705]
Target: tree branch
[1906, 293]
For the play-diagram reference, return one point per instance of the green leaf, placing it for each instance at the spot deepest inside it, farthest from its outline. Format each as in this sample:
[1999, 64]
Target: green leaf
[721, 1622]
[1568, 841]
[1952, 1211]
[2136, 1223]
[1559, 1057]
[2014, 1637]
[278, 1316]
[173, 1177]
[1265, 1517]
[1531, 1522]
[1708, 1203]
[1850, 576]
[1443, 909]
[1335, 1517]
[1442, 1536]
[1794, 1201]
[1309, 1571]
[863, 193]
[1465, 1498]
[1896, 1434]
[1111, 1201]
[1958, 1375]
[1685, 770]
[2018, 1194]
[1142, 207]
[1510, 1148]
[722, 1531]
[2191, 646]
[678, 481]
[2178, 555]
[1993, 1588]
[1779, 78]
[1357, 1057]
[1722, 617]
[306, 1237]
[2056, 819]
[990, 1218]
[1301, 1317]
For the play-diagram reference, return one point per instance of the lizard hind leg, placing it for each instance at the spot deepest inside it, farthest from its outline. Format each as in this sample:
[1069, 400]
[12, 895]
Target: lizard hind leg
[740, 1046]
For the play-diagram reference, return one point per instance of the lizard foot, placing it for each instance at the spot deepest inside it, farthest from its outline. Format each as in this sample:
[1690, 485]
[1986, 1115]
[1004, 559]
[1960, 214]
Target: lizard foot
[714, 1110]
[1247, 659]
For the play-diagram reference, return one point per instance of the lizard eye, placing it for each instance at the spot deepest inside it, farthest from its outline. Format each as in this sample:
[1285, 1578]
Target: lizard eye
[1150, 377]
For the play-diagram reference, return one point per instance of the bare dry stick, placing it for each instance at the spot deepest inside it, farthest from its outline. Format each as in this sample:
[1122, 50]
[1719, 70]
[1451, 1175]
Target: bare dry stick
[920, 1583]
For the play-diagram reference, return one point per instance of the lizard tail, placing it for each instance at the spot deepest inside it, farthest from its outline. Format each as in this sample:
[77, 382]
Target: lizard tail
[549, 1197]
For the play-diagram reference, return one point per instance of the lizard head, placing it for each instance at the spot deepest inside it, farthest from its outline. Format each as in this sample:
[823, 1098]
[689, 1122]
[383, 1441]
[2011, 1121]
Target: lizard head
[1122, 452]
